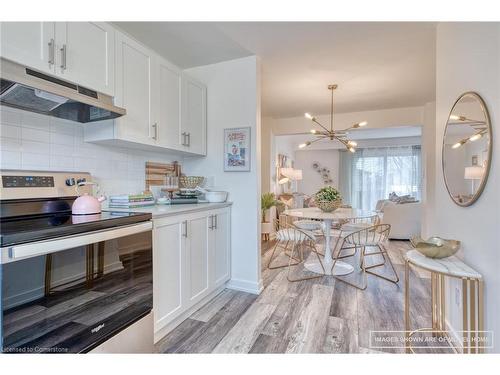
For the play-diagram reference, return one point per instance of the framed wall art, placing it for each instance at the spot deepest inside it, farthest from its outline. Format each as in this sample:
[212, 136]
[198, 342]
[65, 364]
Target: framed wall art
[237, 154]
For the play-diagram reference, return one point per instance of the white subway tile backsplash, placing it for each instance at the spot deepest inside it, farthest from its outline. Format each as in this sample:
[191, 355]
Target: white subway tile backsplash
[62, 139]
[10, 144]
[35, 121]
[37, 142]
[62, 126]
[10, 159]
[41, 148]
[61, 162]
[11, 131]
[56, 149]
[31, 134]
[10, 116]
[33, 160]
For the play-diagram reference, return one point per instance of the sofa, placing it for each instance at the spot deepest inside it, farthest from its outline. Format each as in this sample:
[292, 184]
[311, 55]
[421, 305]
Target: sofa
[404, 218]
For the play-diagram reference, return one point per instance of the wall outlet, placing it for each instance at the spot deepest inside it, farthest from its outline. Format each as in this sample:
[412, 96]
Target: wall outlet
[457, 296]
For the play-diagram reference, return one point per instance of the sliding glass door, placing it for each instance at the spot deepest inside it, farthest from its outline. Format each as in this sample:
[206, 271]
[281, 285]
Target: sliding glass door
[373, 173]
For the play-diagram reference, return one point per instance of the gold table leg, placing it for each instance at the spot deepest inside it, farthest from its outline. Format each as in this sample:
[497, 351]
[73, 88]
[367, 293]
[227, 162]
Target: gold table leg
[407, 306]
[480, 301]
[465, 323]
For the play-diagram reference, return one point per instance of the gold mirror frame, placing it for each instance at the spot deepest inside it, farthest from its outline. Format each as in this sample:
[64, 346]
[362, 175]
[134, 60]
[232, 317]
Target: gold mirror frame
[486, 114]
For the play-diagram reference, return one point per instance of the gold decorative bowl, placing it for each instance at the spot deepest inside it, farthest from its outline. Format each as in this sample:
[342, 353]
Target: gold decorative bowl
[190, 182]
[435, 247]
[328, 206]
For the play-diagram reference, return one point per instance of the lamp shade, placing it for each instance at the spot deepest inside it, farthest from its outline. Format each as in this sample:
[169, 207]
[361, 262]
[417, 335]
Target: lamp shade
[474, 173]
[287, 172]
[296, 175]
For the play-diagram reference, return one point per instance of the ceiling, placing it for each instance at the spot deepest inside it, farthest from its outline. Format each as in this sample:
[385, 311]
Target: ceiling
[377, 65]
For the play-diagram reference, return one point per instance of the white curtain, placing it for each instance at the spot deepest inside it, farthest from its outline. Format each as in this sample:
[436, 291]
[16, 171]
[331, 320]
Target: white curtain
[371, 174]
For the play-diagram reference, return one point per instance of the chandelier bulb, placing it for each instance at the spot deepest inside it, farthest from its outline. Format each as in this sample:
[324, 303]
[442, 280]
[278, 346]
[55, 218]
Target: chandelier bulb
[475, 137]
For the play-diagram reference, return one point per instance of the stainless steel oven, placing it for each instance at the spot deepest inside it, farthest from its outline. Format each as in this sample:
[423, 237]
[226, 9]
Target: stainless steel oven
[69, 283]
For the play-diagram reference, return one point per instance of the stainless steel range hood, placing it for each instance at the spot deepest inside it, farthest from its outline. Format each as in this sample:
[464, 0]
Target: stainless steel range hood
[28, 89]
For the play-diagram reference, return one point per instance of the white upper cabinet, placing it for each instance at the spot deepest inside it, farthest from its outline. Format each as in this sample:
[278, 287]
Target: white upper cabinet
[86, 54]
[29, 43]
[134, 65]
[194, 116]
[168, 105]
[79, 52]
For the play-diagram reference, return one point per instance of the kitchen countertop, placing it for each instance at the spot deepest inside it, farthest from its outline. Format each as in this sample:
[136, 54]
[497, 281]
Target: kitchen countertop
[158, 211]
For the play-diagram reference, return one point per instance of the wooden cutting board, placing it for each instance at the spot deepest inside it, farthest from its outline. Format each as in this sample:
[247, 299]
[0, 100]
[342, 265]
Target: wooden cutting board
[156, 172]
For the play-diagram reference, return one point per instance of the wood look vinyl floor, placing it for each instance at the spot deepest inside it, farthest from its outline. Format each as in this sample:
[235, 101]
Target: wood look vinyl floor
[321, 315]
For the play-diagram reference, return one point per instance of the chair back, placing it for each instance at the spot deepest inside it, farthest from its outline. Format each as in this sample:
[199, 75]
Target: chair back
[369, 236]
[289, 232]
[373, 219]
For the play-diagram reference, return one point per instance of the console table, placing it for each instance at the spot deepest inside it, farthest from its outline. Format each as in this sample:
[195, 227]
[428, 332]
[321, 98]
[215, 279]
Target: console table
[472, 298]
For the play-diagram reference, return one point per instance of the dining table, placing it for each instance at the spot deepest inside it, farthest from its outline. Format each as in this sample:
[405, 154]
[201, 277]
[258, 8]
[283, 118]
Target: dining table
[339, 216]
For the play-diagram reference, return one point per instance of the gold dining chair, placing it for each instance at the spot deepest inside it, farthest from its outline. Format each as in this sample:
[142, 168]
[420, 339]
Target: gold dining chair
[300, 240]
[374, 236]
[279, 225]
[353, 225]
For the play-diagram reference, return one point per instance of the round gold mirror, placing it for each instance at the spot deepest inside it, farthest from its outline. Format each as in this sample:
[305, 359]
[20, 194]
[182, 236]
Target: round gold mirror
[467, 149]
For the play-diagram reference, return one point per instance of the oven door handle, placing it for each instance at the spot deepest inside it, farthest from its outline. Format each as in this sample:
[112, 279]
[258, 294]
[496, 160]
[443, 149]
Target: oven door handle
[13, 253]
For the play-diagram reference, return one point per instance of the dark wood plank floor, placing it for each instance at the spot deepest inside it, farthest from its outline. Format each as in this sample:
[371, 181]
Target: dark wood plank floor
[321, 315]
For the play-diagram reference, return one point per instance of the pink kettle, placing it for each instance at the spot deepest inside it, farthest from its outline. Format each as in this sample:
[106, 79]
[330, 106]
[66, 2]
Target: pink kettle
[87, 204]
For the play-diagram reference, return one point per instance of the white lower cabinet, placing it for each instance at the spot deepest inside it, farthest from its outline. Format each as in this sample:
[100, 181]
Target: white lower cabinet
[191, 261]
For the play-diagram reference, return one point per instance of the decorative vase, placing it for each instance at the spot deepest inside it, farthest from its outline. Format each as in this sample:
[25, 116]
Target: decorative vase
[329, 206]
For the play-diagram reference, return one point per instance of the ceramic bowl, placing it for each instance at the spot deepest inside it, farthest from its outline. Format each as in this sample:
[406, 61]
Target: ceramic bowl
[436, 247]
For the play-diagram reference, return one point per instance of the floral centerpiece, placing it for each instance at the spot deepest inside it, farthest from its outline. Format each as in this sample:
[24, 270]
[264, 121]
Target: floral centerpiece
[328, 199]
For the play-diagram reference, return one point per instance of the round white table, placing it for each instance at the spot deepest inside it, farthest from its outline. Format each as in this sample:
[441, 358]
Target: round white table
[340, 214]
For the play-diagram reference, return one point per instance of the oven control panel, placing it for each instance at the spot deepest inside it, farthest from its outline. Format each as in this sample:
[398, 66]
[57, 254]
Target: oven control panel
[27, 181]
[21, 184]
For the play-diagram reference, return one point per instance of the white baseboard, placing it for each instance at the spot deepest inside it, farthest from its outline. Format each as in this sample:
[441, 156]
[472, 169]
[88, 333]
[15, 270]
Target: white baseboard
[245, 286]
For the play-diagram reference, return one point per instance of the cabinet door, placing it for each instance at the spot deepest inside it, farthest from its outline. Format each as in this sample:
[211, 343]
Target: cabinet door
[86, 54]
[222, 246]
[197, 285]
[29, 43]
[168, 105]
[194, 116]
[168, 272]
[133, 90]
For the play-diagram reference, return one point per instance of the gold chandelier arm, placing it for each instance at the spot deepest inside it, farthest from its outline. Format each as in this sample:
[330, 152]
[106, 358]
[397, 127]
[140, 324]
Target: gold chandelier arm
[317, 122]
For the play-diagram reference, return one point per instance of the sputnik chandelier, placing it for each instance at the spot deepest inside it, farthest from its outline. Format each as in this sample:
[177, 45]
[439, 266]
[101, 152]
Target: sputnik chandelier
[479, 127]
[331, 134]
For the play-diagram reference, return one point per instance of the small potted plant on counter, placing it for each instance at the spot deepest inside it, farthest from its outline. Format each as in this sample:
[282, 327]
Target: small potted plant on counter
[267, 201]
[328, 199]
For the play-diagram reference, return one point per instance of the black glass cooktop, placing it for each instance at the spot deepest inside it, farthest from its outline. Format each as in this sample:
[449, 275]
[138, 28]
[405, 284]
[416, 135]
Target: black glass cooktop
[14, 231]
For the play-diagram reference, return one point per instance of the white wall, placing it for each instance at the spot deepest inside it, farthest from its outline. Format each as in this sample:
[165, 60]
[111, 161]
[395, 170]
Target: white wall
[428, 169]
[267, 156]
[312, 180]
[32, 141]
[233, 91]
[468, 58]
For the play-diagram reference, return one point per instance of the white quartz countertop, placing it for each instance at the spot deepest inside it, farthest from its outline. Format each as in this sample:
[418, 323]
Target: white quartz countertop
[158, 211]
[451, 266]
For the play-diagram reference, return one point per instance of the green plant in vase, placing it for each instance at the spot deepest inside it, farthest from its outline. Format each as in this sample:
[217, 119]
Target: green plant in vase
[328, 199]
[267, 200]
